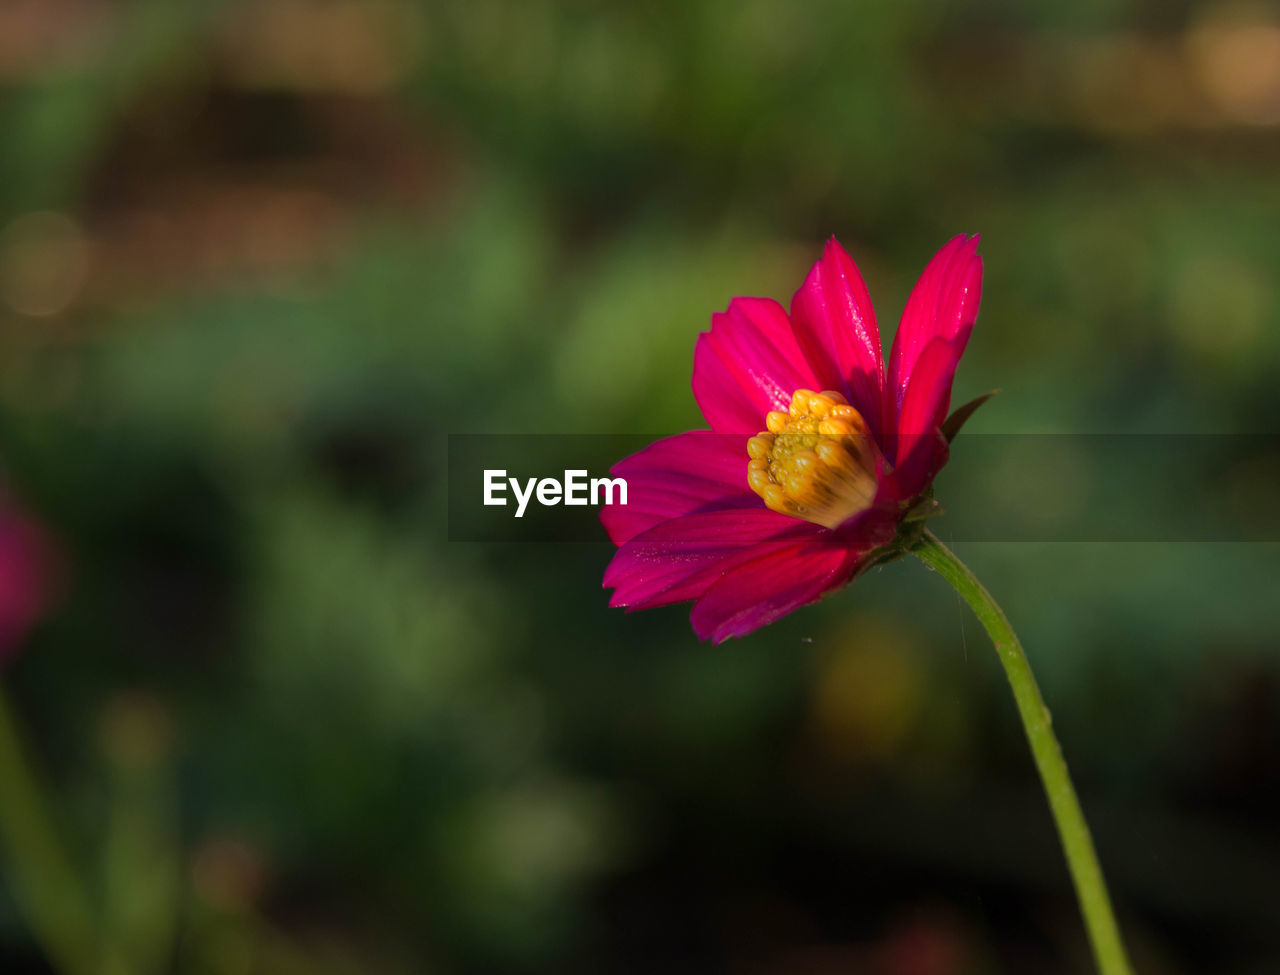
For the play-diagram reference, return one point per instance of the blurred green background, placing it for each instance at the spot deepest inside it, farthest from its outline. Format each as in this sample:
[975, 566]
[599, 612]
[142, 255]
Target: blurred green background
[258, 259]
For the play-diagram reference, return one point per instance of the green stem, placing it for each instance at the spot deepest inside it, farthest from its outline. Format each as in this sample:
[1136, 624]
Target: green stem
[1091, 889]
[37, 870]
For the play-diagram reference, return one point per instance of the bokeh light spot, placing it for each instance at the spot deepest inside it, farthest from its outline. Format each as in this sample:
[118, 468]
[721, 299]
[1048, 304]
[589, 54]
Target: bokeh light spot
[43, 259]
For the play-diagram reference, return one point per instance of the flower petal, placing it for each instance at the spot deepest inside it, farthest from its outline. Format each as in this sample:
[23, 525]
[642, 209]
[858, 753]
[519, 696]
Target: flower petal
[919, 443]
[765, 589]
[836, 328]
[695, 471]
[943, 304]
[682, 558]
[748, 364]
[30, 574]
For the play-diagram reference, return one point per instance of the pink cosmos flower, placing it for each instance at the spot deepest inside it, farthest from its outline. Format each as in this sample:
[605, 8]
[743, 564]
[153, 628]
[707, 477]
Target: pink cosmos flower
[817, 460]
[28, 573]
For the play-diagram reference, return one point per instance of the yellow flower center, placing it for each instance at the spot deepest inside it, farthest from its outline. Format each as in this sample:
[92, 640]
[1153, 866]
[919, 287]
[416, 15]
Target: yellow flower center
[817, 461]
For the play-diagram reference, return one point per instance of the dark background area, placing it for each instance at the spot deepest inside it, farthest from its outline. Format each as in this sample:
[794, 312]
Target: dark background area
[259, 259]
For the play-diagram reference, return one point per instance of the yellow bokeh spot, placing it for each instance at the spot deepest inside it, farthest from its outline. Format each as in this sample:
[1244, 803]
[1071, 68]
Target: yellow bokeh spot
[867, 694]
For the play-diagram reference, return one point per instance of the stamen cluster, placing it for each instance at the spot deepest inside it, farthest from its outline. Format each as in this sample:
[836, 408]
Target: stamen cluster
[817, 461]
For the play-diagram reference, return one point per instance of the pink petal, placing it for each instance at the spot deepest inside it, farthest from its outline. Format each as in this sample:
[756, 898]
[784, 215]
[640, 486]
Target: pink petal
[748, 364]
[758, 592]
[919, 443]
[680, 559]
[696, 471]
[836, 328]
[29, 574]
[943, 304]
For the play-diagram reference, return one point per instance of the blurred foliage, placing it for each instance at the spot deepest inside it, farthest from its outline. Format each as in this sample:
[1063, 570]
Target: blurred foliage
[258, 259]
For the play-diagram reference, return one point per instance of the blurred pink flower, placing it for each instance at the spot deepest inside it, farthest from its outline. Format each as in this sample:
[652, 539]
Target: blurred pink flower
[28, 571]
[793, 492]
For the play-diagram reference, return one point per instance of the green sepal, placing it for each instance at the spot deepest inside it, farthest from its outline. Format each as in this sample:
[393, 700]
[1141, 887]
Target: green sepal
[960, 416]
